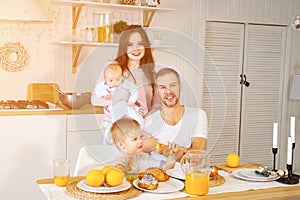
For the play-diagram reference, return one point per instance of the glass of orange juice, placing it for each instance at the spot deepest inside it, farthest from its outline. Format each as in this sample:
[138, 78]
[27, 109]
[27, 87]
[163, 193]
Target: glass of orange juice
[195, 164]
[61, 172]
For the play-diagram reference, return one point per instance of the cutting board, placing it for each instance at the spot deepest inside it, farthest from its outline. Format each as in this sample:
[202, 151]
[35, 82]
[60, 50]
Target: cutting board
[241, 165]
[43, 92]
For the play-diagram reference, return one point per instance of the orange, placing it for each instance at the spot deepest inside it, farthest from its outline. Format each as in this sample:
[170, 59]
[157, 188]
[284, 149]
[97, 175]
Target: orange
[114, 177]
[232, 160]
[94, 178]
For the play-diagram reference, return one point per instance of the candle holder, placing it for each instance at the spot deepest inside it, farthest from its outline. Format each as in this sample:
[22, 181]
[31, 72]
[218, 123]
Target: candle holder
[296, 176]
[290, 179]
[274, 151]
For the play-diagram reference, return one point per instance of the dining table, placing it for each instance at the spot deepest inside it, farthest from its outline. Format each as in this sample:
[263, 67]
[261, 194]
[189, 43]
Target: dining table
[233, 188]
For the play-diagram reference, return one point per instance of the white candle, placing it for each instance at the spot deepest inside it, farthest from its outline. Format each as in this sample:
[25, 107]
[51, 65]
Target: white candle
[292, 129]
[289, 152]
[275, 134]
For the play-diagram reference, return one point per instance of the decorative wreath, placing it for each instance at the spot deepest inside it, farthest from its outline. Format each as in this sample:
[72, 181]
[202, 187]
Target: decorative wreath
[13, 57]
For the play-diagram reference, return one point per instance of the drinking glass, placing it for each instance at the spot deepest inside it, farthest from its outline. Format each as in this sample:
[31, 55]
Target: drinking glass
[195, 165]
[61, 169]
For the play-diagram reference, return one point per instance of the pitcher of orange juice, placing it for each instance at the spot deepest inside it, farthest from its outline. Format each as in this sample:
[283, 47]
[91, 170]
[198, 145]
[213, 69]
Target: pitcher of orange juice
[195, 165]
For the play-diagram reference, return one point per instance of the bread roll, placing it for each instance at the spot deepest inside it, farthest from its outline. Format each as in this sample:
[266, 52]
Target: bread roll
[148, 182]
[158, 173]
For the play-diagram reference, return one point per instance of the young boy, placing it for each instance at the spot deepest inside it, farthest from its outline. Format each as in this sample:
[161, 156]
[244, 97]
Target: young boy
[128, 137]
[121, 96]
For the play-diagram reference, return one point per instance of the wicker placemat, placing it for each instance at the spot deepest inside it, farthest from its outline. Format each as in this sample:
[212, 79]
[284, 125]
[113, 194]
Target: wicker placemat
[216, 180]
[74, 191]
[241, 165]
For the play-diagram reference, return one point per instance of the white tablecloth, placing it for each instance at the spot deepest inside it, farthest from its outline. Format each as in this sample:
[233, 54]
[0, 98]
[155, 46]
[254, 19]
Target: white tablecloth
[231, 184]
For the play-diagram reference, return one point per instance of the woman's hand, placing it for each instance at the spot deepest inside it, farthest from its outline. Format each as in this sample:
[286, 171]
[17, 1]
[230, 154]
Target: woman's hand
[130, 103]
[107, 97]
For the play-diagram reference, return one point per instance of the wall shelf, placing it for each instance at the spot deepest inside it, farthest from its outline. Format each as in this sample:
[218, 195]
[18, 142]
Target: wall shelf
[148, 13]
[77, 46]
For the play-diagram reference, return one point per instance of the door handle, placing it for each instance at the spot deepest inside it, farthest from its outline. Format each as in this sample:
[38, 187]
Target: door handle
[246, 83]
[244, 80]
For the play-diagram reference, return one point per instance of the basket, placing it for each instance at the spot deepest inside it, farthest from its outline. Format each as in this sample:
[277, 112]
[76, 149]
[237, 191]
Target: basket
[127, 2]
[74, 191]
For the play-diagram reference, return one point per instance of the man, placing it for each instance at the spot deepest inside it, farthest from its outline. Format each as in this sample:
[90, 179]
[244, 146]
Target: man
[175, 124]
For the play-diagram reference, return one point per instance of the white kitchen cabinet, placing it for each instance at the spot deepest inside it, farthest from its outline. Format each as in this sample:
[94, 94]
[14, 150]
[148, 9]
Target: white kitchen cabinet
[28, 146]
[82, 130]
[241, 118]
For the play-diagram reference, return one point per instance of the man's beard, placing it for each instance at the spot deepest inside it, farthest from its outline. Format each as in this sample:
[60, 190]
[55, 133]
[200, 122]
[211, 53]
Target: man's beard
[172, 104]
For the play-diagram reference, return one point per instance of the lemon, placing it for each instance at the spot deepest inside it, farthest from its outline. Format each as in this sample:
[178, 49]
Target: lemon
[232, 160]
[94, 178]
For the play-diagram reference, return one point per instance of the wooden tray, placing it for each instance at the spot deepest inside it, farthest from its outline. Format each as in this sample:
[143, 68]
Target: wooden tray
[43, 92]
[224, 167]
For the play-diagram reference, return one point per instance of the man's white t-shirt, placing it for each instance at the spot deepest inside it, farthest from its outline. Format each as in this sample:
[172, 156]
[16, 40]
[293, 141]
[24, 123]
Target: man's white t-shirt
[193, 124]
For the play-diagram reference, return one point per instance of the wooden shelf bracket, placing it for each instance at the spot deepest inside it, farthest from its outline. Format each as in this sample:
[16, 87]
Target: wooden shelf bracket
[76, 49]
[76, 11]
[147, 17]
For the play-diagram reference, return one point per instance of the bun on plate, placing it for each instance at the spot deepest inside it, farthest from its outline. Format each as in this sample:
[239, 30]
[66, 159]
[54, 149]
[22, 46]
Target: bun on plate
[148, 182]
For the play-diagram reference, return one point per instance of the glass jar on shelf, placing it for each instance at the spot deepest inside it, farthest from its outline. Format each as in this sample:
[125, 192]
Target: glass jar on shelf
[104, 26]
[88, 34]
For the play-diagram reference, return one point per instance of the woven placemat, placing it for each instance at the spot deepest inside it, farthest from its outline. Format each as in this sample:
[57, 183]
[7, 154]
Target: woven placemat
[241, 165]
[74, 191]
[216, 180]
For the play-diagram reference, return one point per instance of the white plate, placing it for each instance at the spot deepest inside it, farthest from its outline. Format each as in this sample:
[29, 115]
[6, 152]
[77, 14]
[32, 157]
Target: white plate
[169, 186]
[176, 172]
[124, 186]
[250, 175]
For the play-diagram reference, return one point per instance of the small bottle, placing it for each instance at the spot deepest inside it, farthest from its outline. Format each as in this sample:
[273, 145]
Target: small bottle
[89, 34]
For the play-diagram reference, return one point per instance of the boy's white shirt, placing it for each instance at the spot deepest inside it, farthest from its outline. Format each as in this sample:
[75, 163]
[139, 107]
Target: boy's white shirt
[135, 163]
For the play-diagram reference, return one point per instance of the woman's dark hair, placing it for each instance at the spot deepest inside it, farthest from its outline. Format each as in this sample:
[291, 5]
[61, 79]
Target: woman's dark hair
[147, 62]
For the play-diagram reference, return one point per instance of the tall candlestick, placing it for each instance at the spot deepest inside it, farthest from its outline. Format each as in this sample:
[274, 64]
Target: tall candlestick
[292, 129]
[275, 134]
[289, 151]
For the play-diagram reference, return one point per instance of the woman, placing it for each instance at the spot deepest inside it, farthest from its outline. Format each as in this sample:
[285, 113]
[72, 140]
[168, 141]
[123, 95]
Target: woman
[135, 57]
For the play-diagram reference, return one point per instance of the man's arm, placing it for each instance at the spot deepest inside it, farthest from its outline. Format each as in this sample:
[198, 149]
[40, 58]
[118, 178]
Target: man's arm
[198, 143]
[150, 144]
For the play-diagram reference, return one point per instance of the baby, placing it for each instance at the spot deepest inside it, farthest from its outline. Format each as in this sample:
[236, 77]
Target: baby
[121, 96]
[128, 137]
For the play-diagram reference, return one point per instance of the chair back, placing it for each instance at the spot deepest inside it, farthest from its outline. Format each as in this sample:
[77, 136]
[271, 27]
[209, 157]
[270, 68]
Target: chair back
[89, 156]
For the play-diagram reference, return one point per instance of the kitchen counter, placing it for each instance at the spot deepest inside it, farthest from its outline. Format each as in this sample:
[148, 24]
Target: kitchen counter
[87, 109]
